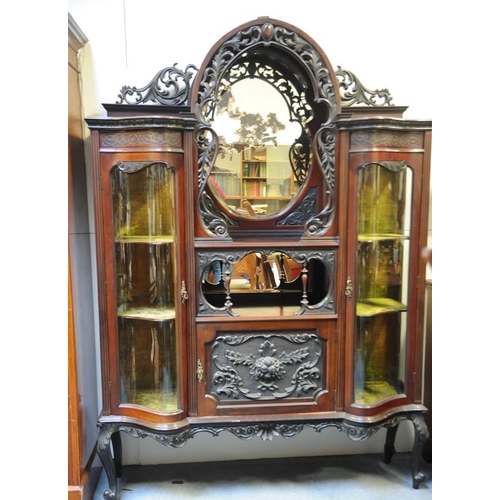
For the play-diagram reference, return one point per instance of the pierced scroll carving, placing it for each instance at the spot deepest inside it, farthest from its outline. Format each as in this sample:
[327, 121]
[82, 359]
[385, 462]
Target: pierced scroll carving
[325, 145]
[305, 211]
[353, 92]
[267, 431]
[171, 86]
[226, 63]
[174, 440]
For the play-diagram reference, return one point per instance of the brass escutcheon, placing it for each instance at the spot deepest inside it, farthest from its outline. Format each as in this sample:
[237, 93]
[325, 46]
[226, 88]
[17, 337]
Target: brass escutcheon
[184, 294]
[199, 371]
[348, 288]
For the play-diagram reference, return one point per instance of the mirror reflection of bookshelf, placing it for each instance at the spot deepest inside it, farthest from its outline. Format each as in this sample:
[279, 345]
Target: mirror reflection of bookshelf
[254, 188]
[227, 176]
[279, 172]
[227, 181]
[261, 176]
[253, 169]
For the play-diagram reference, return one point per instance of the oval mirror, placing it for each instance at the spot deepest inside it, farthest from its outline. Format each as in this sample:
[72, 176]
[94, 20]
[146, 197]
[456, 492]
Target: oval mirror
[264, 147]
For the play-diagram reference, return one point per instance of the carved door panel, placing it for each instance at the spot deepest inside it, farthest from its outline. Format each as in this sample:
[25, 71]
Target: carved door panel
[264, 367]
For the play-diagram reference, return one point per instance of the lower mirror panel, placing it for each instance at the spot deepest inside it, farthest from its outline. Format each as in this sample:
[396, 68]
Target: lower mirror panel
[255, 368]
[271, 283]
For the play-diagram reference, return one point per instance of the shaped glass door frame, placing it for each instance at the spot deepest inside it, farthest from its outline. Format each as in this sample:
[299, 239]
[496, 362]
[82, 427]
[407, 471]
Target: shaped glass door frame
[175, 316]
[406, 364]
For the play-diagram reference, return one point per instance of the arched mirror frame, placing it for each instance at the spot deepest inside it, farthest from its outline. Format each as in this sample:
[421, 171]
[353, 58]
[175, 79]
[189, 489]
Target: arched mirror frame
[280, 46]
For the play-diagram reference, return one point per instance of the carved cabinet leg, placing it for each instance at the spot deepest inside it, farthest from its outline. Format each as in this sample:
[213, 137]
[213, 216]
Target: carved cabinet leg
[117, 452]
[389, 443]
[108, 462]
[421, 435]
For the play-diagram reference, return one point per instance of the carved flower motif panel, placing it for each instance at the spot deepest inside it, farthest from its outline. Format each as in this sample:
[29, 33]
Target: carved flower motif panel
[264, 367]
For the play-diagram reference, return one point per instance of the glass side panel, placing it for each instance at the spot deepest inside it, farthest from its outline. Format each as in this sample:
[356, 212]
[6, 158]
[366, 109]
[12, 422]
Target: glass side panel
[384, 193]
[143, 203]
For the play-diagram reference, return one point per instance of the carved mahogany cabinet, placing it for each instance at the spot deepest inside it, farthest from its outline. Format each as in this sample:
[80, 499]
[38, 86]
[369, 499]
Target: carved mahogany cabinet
[259, 224]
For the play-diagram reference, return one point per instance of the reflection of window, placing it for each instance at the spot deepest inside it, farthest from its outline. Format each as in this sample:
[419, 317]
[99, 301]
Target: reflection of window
[242, 121]
[277, 116]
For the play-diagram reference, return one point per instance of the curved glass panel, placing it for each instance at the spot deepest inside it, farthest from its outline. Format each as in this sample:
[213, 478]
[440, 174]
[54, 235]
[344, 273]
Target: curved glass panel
[143, 204]
[384, 216]
[253, 175]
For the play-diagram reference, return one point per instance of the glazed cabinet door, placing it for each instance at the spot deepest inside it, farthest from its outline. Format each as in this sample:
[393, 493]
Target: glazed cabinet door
[145, 286]
[382, 288]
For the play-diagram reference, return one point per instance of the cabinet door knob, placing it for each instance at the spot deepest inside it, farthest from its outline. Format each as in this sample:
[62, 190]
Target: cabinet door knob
[184, 293]
[348, 288]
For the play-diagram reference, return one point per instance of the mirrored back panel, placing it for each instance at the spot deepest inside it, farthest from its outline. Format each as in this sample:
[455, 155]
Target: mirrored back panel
[266, 283]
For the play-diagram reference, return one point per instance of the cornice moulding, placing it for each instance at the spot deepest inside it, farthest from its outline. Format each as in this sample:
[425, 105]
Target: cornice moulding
[76, 37]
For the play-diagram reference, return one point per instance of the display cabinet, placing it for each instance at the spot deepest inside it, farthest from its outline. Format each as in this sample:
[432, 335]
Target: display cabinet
[259, 271]
[386, 169]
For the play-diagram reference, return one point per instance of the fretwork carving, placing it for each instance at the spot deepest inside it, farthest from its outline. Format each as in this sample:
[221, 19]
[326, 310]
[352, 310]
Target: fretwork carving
[392, 138]
[305, 211]
[147, 138]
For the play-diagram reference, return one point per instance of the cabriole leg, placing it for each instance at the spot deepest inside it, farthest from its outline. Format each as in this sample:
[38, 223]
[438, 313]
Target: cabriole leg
[108, 462]
[421, 435]
[116, 439]
[389, 443]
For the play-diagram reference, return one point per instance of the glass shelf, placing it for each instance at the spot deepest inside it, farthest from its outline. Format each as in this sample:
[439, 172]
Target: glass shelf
[372, 392]
[157, 400]
[147, 313]
[374, 306]
[150, 240]
[381, 237]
